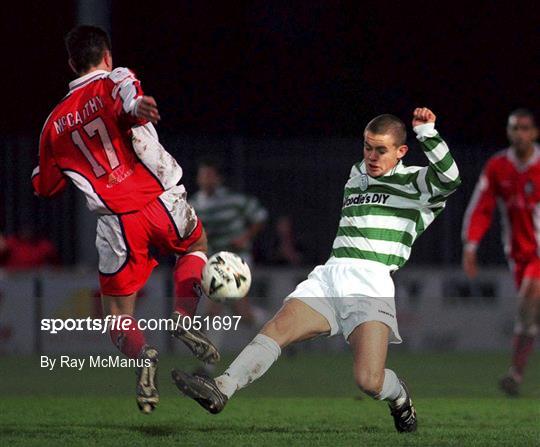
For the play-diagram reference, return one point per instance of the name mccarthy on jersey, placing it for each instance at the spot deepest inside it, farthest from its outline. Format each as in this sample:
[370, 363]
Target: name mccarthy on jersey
[95, 139]
[73, 119]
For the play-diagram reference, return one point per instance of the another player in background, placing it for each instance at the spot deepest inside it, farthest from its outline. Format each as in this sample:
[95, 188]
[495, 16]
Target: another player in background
[26, 249]
[101, 137]
[512, 178]
[232, 221]
[285, 248]
[386, 207]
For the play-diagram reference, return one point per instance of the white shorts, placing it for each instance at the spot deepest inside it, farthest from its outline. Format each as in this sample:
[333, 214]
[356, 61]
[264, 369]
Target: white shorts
[350, 292]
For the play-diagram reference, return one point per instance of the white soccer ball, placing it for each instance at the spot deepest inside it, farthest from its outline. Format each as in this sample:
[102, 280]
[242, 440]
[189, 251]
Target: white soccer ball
[226, 276]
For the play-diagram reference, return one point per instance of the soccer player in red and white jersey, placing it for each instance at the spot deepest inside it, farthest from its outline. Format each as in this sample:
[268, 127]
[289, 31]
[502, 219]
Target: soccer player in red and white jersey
[101, 137]
[511, 178]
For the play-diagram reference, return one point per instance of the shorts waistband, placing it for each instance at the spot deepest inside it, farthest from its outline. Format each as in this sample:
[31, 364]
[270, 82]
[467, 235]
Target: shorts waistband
[363, 263]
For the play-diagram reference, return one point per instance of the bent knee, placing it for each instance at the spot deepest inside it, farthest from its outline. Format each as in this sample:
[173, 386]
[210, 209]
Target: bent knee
[295, 322]
[370, 382]
[285, 327]
[280, 330]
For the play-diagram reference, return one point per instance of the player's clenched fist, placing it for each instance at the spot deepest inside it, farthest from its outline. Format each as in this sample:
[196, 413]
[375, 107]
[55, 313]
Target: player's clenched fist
[422, 115]
[147, 109]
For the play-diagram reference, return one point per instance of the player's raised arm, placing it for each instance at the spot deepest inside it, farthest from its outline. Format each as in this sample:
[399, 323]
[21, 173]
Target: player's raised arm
[442, 176]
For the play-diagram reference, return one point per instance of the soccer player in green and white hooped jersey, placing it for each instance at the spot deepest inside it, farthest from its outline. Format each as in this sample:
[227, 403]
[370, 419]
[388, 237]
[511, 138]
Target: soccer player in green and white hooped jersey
[386, 207]
[231, 219]
[383, 215]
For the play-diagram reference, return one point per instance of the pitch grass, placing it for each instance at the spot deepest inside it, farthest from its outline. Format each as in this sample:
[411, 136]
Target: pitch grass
[304, 400]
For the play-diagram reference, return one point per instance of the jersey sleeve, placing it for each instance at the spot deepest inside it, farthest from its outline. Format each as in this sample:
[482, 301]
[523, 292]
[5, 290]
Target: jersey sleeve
[441, 176]
[47, 178]
[479, 212]
[127, 93]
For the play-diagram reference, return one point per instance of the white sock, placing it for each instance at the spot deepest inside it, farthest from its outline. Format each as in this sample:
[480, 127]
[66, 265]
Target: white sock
[250, 364]
[391, 389]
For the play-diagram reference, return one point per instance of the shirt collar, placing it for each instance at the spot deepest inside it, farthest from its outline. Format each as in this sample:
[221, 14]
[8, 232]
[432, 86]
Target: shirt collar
[520, 166]
[85, 79]
[392, 171]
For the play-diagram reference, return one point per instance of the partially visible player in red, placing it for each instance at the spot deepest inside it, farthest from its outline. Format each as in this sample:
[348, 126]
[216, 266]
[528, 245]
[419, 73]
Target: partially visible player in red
[26, 249]
[512, 178]
[101, 137]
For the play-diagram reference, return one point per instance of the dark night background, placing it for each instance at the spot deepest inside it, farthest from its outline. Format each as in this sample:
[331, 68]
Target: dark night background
[295, 70]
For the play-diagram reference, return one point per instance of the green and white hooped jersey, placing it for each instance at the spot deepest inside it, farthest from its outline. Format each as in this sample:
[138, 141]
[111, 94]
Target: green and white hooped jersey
[382, 217]
[226, 215]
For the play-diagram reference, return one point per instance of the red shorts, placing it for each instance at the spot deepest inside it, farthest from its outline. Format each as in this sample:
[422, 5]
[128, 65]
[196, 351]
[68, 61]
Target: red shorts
[168, 223]
[530, 269]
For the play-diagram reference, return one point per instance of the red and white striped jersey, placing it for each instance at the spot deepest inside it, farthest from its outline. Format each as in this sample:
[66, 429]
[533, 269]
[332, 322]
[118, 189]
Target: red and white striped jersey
[515, 188]
[94, 138]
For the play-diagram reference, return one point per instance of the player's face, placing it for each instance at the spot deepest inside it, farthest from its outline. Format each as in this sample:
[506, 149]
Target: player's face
[521, 132]
[208, 179]
[381, 153]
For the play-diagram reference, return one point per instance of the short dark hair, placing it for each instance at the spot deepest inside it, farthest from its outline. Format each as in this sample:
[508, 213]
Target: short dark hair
[523, 113]
[389, 124]
[86, 46]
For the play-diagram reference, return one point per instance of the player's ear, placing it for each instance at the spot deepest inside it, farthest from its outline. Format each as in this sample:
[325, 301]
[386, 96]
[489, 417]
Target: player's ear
[401, 151]
[72, 65]
[107, 58]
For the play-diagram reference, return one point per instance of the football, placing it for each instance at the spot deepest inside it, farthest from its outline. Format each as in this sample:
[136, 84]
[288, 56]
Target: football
[226, 277]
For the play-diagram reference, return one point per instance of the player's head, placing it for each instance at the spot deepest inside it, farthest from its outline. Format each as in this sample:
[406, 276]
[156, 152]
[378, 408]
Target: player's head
[385, 140]
[521, 129]
[88, 47]
[209, 176]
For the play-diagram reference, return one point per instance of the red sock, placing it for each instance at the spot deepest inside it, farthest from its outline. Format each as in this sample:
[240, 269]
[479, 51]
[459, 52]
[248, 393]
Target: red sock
[187, 282]
[128, 338]
[523, 345]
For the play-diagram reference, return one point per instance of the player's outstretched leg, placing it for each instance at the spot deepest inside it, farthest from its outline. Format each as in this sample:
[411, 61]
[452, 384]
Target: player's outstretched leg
[295, 321]
[188, 291]
[251, 363]
[202, 389]
[147, 392]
